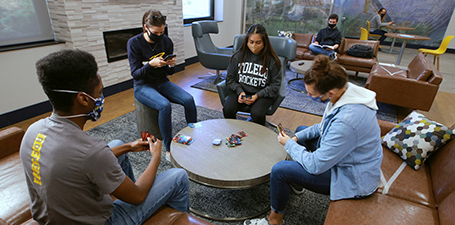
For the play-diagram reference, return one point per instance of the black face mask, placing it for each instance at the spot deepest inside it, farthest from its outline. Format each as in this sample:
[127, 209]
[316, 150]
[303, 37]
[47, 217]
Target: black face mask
[332, 25]
[155, 38]
[382, 14]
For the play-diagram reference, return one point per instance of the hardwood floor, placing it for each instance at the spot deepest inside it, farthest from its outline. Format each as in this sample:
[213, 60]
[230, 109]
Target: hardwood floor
[121, 103]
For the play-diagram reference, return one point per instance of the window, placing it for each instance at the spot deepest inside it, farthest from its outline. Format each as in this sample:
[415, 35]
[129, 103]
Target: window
[24, 21]
[195, 10]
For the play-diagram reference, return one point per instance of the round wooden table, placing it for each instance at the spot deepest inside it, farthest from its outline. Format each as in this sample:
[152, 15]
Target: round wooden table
[396, 29]
[405, 38]
[240, 167]
[299, 67]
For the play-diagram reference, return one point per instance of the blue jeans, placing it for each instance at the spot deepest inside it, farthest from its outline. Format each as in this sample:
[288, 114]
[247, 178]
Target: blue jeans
[159, 96]
[170, 187]
[320, 51]
[285, 173]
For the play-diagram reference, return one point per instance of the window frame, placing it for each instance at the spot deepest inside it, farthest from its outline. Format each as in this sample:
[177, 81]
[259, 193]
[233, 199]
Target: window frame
[211, 17]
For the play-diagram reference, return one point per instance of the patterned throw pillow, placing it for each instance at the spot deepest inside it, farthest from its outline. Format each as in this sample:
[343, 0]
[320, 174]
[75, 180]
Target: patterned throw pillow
[416, 138]
[287, 34]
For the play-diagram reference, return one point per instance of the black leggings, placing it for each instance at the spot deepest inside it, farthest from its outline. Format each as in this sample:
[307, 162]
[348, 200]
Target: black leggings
[258, 108]
[382, 33]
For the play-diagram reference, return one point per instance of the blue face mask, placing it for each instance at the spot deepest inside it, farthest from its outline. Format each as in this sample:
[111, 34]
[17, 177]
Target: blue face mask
[95, 114]
[318, 99]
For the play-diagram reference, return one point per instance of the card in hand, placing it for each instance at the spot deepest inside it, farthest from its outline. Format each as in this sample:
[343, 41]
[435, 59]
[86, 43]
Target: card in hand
[145, 135]
[280, 128]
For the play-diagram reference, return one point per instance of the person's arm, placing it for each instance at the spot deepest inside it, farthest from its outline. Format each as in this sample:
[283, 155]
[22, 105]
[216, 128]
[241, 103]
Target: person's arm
[337, 41]
[272, 88]
[135, 146]
[232, 75]
[336, 145]
[170, 70]
[135, 193]
[138, 70]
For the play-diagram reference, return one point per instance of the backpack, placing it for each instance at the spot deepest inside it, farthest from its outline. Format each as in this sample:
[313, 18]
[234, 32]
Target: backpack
[363, 51]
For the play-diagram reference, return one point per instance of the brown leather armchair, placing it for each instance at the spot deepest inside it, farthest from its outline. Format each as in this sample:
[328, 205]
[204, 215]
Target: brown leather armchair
[356, 63]
[414, 87]
[15, 200]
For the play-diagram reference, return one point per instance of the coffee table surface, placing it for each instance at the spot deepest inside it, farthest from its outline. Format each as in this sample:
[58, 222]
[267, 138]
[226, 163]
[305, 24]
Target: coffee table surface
[302, 68]
[244, 166]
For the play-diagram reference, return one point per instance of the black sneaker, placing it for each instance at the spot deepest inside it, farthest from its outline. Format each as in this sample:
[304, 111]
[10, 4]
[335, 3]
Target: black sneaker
[297, 189]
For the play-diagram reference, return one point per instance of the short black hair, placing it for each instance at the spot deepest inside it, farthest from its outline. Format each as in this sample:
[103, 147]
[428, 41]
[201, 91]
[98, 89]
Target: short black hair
[67, 70]
[333, 16]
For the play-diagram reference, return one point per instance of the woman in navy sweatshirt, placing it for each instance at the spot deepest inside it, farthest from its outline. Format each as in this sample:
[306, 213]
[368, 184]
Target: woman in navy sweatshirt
[253, 76]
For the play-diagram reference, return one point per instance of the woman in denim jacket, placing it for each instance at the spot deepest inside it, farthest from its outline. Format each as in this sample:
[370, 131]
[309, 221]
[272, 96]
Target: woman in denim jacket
[342, 155]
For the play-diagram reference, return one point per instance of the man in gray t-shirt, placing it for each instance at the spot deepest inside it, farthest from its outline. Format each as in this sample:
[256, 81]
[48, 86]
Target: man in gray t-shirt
[71, 175]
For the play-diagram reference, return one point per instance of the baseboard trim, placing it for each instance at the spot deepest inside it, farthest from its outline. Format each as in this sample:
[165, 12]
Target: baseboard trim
[31, 111]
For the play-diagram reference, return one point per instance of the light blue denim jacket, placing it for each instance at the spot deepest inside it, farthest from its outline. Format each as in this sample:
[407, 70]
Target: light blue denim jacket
[349, 145]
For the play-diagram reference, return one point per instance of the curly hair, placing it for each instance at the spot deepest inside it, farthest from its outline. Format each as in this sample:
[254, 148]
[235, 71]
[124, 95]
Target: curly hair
[325, 74]
[67, 70]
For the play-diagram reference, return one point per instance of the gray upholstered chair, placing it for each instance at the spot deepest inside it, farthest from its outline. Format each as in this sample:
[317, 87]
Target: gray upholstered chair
[285, 48]
[210, 56]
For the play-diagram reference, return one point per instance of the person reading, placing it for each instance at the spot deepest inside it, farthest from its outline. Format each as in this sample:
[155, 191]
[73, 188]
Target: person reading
[328, 39]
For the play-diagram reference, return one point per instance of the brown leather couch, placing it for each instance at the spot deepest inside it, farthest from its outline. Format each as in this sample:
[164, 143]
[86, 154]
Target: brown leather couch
[303, 46]
[348, 62]
[14, 198]
[425, 196]
[414, 87]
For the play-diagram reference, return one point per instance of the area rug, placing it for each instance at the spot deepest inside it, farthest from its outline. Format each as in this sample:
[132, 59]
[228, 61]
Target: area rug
[309, 206]
[299, 101]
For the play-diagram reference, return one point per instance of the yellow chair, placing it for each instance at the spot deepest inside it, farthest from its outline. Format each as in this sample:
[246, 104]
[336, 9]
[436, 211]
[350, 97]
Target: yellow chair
[438, 51]
[363, 34]
[372, 35]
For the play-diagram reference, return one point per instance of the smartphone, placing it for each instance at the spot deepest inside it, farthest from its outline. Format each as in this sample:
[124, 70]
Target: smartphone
[169, 57]
[246, 96]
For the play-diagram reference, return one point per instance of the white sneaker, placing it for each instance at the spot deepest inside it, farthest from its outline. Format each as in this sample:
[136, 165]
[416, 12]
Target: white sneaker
[333, 56]
[168, 156]
[262, 221]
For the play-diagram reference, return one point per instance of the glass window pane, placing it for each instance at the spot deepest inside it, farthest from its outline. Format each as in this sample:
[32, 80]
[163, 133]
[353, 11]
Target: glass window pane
[24, 21]
[196, 9]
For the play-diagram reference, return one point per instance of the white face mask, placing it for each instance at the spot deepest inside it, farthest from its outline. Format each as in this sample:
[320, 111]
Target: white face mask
[95, 114]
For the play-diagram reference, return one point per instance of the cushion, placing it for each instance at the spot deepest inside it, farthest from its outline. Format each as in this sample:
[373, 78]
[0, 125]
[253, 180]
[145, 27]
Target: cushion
[416, 138]
[287, 34]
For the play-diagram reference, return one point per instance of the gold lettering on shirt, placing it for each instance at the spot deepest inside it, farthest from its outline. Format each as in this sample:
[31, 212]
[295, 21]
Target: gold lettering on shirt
[36, 154]
[157, 55]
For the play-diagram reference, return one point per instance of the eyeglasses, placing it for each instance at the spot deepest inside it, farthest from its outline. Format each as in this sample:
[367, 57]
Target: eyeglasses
[162, 18]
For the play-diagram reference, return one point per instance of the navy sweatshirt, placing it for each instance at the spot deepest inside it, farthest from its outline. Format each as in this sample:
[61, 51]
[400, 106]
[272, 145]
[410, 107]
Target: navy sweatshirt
[139, 51]
[247, 77]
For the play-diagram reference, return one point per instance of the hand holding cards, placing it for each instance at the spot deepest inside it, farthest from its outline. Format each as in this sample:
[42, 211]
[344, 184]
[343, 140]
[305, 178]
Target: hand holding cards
[145, 135]
[281, 129]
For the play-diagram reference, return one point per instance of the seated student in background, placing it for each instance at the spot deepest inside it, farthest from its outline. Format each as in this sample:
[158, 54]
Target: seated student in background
[151, 85]
[377, 22]
[71, 175]
[253, 76]
[342, 155]
[328, 39]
